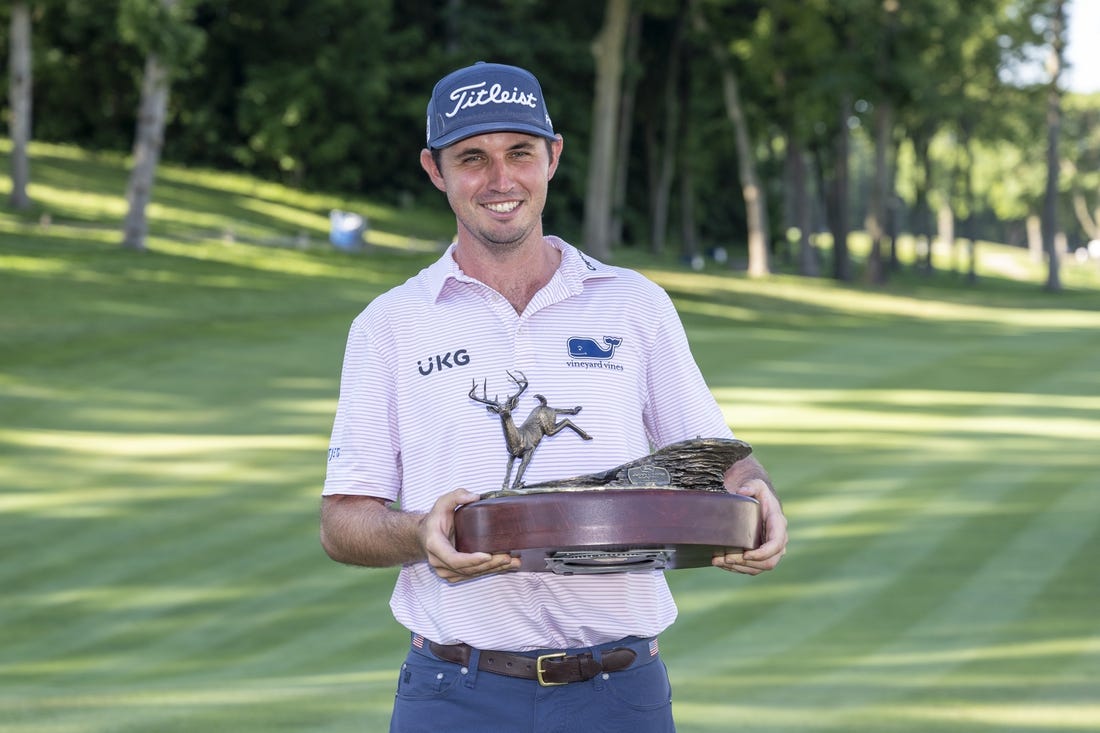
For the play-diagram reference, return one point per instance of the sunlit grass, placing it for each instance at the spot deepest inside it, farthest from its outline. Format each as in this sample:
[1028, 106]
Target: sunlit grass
[919, 412]
[77, 193]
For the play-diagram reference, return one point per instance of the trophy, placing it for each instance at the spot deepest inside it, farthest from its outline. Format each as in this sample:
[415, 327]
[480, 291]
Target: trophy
[664, 511]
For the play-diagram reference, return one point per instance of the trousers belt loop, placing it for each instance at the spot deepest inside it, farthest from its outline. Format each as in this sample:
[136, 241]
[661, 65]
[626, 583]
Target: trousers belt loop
[556, 668]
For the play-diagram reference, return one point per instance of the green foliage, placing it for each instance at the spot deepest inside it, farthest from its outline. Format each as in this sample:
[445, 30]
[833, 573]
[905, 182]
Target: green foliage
[305, 88]
[330, 94]
[162, 28]
[86, 84]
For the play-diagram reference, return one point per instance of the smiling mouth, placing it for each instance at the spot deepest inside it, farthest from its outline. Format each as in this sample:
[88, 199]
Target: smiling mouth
[504, 207]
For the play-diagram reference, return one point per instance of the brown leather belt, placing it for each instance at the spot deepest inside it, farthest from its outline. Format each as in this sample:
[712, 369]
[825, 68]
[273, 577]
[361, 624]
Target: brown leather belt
[549, 669]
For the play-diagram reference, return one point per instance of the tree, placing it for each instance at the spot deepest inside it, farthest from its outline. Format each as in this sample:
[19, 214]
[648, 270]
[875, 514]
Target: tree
[21, 100]
[756, 210]
[1056, 61]
[84, 75]
[796, 70]
[320, 95]
[607, 50]
[832, 149]
[161, 28]
[307, 91]
[665, 156]
[148, 141]
[631, 74]
[1081, 160]
[882, 189]
[796, 45]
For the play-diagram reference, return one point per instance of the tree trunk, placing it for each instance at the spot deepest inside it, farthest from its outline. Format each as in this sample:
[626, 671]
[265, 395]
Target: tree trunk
[453, 43]
[842, 263]
[756, 211]
[21, 99]
[922, 210]
[626, 119]
[876, 272]
[688, 230]
[148, 141]
[1089, 222]
[608, 52]
[971, 229]
[945, 226]
[788, 219]
[1035, 237]
[800, 207]
[1054, 126]
[662, 196]
[894, 204]
[652, 167]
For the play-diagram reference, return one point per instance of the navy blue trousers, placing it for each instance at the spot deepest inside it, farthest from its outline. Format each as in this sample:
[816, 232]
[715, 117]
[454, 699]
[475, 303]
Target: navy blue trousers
[437, 696]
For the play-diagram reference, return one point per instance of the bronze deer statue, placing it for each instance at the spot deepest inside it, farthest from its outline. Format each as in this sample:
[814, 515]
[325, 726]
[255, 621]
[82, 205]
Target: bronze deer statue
[523, 439]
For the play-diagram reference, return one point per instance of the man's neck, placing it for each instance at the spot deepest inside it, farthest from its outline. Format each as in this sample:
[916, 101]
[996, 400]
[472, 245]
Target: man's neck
[516, 274]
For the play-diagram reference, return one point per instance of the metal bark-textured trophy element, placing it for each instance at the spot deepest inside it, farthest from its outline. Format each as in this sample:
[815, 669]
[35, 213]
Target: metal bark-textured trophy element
[663, 511]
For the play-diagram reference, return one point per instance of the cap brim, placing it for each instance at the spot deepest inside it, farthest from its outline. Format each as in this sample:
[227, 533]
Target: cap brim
[454, 136]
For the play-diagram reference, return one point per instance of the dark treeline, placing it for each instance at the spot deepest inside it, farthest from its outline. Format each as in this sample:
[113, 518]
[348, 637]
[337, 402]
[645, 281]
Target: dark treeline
[833, 114]
[324, 94]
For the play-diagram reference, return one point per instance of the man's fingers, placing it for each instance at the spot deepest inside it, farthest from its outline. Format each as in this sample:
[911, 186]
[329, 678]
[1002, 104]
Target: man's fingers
[464, 566]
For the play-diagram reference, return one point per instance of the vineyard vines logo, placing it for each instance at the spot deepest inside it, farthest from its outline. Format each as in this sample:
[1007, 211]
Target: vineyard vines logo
[439, 362]
[587, 348]
[476, 95]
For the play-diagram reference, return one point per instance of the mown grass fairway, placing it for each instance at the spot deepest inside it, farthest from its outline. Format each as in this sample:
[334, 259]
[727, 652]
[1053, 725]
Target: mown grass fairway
[164, 418]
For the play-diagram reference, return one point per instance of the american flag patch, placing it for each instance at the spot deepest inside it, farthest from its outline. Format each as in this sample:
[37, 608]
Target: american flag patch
[418, 641]
[653, 648]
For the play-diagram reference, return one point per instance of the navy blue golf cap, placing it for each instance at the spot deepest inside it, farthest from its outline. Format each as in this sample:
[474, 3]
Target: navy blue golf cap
[486, 98]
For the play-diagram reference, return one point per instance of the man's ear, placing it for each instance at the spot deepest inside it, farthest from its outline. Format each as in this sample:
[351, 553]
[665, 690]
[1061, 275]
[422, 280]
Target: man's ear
[427, 162]
[555, 155]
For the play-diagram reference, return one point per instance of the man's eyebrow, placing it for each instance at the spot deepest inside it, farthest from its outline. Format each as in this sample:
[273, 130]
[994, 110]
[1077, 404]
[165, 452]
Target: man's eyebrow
[474, 150]
[467, 150]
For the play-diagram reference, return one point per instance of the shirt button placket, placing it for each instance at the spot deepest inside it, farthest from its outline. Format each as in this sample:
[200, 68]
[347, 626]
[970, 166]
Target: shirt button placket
[523, 348]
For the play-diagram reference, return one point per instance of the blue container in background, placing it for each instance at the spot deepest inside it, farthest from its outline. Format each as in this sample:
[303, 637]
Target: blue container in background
[346, 229]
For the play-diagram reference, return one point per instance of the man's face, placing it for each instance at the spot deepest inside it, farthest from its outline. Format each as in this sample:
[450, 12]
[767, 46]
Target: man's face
[496, 185]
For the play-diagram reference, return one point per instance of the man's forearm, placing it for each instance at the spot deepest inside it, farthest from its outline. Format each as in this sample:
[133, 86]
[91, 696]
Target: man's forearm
[363, 530]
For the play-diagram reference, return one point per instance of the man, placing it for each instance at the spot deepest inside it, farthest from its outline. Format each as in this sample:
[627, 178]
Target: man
[503, 300]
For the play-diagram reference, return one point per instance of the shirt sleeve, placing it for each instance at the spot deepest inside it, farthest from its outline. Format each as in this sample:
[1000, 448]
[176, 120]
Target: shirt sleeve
[363, 456]
[679, 405]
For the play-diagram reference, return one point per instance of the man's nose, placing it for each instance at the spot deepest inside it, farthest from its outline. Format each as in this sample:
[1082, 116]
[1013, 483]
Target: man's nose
[500, 177]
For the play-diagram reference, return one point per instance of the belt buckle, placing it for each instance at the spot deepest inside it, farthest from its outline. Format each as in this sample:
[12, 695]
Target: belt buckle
[539, 670]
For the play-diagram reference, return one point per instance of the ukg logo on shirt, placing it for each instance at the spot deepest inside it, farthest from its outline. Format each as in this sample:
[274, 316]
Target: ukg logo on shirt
[439, 362]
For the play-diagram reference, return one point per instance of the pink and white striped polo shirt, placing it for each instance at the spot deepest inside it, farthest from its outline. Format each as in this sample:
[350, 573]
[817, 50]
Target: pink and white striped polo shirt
[601, 337]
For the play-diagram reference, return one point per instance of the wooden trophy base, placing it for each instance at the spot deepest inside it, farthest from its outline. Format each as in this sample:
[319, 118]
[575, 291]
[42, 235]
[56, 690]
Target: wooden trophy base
[578, 532]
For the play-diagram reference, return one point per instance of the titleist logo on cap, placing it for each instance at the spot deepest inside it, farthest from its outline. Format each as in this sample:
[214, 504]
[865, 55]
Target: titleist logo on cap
[476, 95]
[486, 98]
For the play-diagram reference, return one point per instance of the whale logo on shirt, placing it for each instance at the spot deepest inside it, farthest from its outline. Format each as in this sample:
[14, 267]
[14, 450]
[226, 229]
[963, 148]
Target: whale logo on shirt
[587, 348]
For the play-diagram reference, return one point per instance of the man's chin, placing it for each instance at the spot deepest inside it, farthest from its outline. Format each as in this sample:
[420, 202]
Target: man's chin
[503, 242]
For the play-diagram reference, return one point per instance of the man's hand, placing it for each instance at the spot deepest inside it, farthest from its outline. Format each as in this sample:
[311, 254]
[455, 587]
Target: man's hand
[767, 556]
[436, 533]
